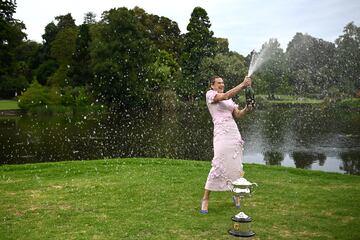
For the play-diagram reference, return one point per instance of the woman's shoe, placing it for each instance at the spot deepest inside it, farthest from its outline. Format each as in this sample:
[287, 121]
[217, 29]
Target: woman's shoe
[201, 210]
[237, 203]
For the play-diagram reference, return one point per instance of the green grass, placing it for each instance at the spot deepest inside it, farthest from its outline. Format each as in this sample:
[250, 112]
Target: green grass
[284, 99]
[159, 199]
[350, 102]
[8, 105]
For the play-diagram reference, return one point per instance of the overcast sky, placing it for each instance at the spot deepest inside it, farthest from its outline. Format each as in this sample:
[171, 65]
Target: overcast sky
[247, 24]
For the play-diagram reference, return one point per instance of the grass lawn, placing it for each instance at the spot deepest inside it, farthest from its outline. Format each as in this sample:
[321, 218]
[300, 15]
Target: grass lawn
[160, 198]
[8, 105]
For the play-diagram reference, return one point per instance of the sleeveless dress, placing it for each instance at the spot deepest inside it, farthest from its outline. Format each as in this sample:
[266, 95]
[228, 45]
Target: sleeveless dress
[227, 142]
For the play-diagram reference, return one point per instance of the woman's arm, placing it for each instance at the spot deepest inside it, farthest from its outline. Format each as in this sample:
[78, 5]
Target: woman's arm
[232, 92]
[237, 113]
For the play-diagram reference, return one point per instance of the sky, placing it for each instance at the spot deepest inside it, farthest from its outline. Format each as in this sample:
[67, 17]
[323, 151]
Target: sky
[247, 24]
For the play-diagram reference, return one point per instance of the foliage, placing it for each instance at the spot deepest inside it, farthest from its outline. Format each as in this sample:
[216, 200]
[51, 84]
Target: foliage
[272, 73]
[45, 70]
[162, 32]
[199, 43]
[80, 70]
[121, 59]
[12, 74]
[82, 97]
[307, 59]
[164, 71]
[36, 95]
[89, 18]
[348, 59]
[229, 66]
[62, 49]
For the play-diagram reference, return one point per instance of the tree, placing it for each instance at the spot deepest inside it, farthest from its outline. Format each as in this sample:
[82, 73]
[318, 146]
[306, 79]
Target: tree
[272, 73]
[307, 59]
[26, 56]
[198, 44]
[12, 79]
[62, 50]
[53, 64]
[164, 33]
[229, 66]
[89, 18]
[122, 56]
[80, 70]
[65, 21]
[348, 59]
[222, 45]
[164, 72]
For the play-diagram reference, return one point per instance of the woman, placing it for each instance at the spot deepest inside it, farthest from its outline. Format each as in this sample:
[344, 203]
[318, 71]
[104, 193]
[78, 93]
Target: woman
[228, 145]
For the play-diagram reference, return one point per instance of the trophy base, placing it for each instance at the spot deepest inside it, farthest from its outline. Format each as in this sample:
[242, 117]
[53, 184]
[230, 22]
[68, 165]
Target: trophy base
[241, 234]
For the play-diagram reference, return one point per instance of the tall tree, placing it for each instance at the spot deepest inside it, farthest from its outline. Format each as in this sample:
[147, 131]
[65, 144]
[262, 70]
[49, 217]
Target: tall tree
[80, 69]
[90, 18]
[307, 59]
[122, 56]
[65, 21]
[164, 33]
[199, 43]
[56, 53]
[62, 50]
[12, 79]
[272, 73]
[348, 59]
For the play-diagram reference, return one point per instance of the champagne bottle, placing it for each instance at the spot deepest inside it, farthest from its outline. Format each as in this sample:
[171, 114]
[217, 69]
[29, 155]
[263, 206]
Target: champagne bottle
[250, 96]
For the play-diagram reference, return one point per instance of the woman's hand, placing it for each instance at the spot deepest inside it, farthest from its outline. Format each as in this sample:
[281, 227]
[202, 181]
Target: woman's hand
[249, 108]
[237, 113]
[247, 82]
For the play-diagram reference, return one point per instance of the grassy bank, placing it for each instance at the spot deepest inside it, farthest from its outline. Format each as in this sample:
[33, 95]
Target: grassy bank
[159, 199]
[9, 105]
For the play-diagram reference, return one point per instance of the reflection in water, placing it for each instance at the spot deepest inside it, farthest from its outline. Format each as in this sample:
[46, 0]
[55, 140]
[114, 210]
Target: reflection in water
[350, 162]
[273, 158]
[306, 159]
[274, 136]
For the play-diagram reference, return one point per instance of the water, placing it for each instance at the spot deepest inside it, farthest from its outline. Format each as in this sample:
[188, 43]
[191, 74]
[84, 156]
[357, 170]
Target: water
[258, 59]
[310, 138]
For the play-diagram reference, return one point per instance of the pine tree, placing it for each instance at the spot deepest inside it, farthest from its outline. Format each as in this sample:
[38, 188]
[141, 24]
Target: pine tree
[199, 43]
[80, 69]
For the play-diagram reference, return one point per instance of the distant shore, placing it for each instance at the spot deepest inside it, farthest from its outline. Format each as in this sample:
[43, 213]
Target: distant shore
[10, 107]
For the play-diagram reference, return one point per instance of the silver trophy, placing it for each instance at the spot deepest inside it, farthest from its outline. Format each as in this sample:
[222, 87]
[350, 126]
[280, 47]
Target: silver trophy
[241, 223]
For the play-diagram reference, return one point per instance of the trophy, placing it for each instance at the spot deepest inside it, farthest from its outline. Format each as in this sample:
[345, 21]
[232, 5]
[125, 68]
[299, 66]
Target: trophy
[241, 223]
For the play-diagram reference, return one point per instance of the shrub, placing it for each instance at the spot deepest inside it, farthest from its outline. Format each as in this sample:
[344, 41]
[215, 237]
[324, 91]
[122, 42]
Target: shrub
[81, 96]
[35, 95]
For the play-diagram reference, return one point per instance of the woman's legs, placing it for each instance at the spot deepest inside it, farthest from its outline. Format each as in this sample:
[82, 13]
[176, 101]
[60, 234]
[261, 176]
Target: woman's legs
[205, 200]
[236, 200]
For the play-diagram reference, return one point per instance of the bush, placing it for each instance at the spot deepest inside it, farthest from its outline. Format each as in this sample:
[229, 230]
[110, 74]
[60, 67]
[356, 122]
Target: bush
[35, 95]
[67, 98]
[38, 96]
[81, 96]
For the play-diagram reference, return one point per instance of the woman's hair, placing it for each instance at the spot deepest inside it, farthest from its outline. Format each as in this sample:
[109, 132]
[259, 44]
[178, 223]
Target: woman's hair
[212, 80]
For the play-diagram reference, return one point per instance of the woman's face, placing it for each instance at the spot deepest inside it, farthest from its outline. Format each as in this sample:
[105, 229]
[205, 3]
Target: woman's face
[218, 85]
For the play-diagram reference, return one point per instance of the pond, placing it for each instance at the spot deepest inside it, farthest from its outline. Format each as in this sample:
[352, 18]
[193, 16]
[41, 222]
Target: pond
[300, 137]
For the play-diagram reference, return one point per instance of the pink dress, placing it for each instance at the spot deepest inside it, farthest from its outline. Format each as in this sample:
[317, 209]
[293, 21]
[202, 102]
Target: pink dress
[228, 144]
